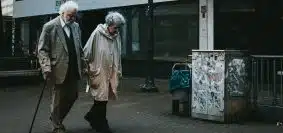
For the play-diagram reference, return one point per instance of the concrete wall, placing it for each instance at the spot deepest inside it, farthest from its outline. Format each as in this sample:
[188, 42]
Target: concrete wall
[41, 7]
[7, 7]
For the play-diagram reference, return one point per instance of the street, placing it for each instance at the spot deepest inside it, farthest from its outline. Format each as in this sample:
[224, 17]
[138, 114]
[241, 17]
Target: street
[133, 112]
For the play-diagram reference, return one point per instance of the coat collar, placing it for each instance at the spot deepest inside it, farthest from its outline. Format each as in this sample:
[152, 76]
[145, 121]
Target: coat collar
[102, 28]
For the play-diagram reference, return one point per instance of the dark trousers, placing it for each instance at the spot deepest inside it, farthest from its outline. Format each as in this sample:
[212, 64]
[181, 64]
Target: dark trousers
[97, 116]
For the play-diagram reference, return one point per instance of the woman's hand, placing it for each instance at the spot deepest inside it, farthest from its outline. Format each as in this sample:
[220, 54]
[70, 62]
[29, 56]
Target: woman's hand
[120, 75]
[85, 71]
[93, 80]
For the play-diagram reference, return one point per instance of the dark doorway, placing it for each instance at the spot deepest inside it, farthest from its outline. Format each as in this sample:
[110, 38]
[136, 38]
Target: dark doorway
[267, 36]
[256, 28]
[90, 20]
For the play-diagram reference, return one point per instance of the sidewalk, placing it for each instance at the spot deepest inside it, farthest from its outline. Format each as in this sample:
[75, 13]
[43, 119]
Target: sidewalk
[134, 112]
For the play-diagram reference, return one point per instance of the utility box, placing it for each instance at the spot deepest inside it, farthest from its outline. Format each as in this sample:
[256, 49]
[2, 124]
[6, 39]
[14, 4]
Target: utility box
[219, 84]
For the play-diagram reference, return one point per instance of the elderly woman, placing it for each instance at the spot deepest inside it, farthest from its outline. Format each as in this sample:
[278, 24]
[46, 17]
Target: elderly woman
[103, 55]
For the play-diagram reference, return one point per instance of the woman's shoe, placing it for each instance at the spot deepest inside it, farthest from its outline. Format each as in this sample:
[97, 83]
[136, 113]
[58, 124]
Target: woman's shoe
[90, 121]
[105, 131]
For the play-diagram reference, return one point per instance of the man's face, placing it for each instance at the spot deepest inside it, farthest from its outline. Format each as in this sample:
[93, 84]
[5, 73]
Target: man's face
[113, 29]
[70, 16]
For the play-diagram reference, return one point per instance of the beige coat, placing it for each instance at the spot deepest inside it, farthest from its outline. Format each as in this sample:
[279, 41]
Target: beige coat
[53, 51]
[103, 53]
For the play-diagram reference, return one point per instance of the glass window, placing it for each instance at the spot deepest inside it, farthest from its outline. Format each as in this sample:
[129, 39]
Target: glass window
[176, 31]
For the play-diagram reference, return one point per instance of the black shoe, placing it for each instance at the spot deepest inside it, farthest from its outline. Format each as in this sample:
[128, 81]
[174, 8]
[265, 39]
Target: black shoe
[105, 131]
[105, 128]
[90, 121]
[95, 126]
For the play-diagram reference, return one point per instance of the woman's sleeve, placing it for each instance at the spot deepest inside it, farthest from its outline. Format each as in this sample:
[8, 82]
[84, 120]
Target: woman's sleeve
[87, 50]
[93, 54]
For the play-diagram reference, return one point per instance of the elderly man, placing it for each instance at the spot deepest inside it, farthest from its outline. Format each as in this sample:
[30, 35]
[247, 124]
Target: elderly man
[59, 54]
[103, 52]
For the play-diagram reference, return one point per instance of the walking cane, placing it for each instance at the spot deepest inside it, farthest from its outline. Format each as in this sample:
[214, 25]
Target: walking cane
[37, 106]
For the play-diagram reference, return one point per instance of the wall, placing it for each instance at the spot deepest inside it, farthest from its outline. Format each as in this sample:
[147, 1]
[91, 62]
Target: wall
[22, 8]
[7, 7]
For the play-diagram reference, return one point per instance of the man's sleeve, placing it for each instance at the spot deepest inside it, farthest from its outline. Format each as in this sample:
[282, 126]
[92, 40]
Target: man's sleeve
[120, 59]
[81, 47]
[44, 50]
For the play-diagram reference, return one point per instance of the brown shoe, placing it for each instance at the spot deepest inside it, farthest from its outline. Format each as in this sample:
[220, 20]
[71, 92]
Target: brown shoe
[58, 128]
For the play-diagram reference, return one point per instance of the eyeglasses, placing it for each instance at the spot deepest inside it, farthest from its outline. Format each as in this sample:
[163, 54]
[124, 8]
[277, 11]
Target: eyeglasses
[72, 16]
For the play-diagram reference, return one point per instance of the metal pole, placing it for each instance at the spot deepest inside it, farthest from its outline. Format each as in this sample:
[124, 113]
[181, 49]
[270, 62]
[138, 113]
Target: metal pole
[1, 30]
[13, 36]
[149, 85]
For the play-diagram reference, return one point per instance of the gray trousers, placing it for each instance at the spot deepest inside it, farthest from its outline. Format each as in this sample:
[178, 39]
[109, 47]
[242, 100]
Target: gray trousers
[63, 96]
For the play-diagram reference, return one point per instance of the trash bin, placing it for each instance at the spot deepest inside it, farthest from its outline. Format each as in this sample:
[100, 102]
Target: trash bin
[180, 87]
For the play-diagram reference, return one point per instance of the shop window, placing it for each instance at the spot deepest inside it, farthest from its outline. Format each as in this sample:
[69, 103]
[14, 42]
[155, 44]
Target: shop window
[175, 36]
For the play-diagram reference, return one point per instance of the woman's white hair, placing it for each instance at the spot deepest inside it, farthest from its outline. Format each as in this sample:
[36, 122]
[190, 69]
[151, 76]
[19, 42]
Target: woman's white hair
[115, 18]
[69, 5]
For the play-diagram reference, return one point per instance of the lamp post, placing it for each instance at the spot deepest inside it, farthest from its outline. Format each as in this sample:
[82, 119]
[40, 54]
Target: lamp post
[3, 42]
[149, 85]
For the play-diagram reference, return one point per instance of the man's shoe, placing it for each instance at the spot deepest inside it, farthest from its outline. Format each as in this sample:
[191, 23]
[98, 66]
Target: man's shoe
[58, 128]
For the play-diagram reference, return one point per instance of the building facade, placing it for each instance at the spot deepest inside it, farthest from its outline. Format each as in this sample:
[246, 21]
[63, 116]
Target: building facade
[93, 12]
[179, 26]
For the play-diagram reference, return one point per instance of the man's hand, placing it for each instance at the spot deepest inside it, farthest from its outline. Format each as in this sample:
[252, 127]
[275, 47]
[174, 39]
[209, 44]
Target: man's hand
[85, 66]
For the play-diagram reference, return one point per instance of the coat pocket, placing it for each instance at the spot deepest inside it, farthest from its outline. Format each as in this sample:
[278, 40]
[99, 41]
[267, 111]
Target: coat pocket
[94, 81]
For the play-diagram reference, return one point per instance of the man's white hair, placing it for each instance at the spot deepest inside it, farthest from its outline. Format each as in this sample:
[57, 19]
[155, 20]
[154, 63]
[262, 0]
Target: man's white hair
[69, 5]
[115, 18]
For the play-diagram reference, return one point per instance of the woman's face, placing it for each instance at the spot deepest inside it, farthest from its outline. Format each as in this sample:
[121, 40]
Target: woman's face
[113, 29]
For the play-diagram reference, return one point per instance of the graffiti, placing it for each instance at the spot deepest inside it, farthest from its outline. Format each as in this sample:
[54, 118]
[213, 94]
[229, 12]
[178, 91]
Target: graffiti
[236, 77]
[208, 82]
